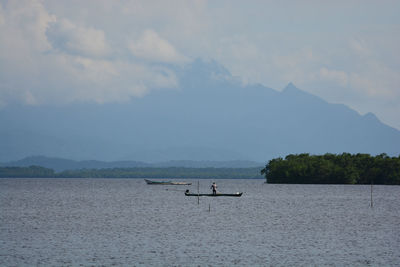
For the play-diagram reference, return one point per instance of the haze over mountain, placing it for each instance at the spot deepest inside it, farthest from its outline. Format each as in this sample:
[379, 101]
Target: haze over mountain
[210, 117]
[60, 164]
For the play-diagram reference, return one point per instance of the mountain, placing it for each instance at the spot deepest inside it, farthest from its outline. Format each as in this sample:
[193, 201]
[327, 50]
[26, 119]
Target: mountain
[60, 164]
[210, 117]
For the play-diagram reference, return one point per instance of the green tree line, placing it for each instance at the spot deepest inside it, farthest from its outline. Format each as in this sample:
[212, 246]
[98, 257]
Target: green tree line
[334, 169]
[170, 172]
[26, 172]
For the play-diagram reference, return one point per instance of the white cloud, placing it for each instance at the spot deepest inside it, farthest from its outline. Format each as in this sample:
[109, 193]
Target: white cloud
[360, 47]
[22, 39]
[30, 99]
[63, 51]
[50, 60]
[384, 84]
[150, 46]
[85, 41]
[2, 19]
[23, 26]
[339, 77]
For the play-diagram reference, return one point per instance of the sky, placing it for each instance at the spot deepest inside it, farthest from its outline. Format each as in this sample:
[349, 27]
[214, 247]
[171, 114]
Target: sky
[102, 51]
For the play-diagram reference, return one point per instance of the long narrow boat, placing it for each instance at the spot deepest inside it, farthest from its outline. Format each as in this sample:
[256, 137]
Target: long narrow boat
[238, 194]
[166, 182]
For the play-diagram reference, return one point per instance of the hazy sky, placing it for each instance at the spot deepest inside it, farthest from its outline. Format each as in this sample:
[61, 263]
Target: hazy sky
[59, 52]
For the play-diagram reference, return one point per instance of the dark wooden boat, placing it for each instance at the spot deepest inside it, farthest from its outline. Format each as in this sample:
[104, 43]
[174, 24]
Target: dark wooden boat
[166, 182]
[238, 194]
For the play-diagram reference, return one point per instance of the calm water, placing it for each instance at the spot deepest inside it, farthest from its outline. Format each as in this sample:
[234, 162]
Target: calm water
[126, 222]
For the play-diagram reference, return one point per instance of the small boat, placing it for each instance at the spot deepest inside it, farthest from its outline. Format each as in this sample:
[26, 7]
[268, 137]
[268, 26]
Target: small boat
[166, 182]
[238, 194]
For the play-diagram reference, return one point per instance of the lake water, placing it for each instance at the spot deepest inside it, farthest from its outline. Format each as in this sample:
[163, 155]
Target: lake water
[88, 222]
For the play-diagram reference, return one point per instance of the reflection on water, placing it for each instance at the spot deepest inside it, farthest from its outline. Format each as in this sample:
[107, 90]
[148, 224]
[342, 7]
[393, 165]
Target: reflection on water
[126, 222]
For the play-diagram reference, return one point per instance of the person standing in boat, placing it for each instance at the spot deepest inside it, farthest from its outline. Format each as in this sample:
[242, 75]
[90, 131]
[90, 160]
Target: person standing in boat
[214, 188]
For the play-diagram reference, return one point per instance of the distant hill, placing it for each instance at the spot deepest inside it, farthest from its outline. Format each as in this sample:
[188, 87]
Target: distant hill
[60, 164]
[210, 117]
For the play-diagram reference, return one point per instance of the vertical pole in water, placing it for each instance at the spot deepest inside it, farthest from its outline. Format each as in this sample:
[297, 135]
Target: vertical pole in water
[198, 192]
[209, 207]
[372, 203]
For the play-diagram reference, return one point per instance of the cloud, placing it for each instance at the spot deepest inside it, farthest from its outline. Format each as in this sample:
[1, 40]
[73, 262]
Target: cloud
[339, 77]
[360, 47]
[150, 46]
[384, 84]
[23, 25]
[22, 41]
[79, 40]
[65, 51]
[2, 19]
[50, 60]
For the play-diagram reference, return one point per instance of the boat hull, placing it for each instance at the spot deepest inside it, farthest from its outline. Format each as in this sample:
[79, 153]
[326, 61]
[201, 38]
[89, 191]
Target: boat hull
[239, 194]
[166, 182]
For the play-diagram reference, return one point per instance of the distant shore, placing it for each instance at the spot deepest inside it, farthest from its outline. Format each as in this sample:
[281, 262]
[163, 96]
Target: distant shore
[155, 173]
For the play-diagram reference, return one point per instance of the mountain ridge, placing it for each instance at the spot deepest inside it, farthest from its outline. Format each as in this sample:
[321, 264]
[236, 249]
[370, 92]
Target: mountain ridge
[210, 117]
